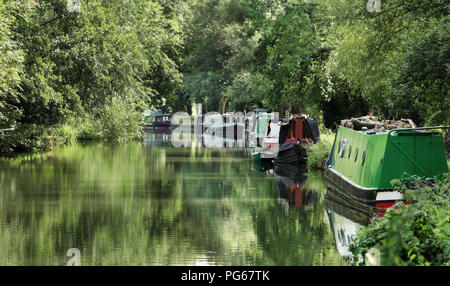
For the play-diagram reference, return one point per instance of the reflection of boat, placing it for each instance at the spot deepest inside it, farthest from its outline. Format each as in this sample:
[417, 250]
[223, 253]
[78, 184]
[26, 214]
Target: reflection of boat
[344, 230]
[157, 139]
[346, 218]
[291, 183]
[362, 164]
[262, 165]
[293, 137]
[350, 209]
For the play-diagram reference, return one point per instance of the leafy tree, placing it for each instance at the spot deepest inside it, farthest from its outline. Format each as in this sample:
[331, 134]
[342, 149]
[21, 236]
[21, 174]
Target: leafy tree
[63, 65]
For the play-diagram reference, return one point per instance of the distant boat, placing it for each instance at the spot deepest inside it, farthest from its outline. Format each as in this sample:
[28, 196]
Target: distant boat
[157, 121]
[264, 135]
[228, 126]
[294, 135]
[362, 164]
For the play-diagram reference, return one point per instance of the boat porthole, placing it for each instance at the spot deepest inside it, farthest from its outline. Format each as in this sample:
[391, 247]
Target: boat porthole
[349, 151]
[356, 154]
[363, 157]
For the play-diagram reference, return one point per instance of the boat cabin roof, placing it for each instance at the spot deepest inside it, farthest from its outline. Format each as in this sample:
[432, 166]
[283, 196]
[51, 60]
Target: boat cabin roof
[300, 127]
[420, 130]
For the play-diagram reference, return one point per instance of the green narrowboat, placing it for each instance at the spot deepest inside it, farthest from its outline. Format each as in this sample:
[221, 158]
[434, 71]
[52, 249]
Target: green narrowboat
[264, 135]
[362, 164]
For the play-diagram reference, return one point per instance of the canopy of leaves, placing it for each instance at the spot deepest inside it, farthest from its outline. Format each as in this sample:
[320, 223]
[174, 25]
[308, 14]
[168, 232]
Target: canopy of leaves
[60, 65]
[331, 59]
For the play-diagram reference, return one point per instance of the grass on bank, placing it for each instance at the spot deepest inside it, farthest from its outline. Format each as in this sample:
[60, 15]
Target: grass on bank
[318, 153]
[120, 120]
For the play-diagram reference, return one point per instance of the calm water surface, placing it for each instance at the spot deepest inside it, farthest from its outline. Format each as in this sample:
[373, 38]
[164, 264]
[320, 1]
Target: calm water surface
[152, 204]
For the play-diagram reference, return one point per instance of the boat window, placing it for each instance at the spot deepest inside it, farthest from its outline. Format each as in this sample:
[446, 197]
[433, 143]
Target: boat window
[344, 147]
[363, 157]
[356, 154]
[339, 147]
[349, 151]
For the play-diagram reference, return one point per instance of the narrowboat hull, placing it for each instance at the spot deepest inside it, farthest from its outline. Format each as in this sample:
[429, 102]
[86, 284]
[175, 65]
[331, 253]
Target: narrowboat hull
[293, 153]
[365, 200]
[291, 171]
[362, 165]
[157, 128]
[263, 154]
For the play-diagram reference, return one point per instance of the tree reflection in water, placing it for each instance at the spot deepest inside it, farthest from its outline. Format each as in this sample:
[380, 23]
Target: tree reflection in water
[153, 204]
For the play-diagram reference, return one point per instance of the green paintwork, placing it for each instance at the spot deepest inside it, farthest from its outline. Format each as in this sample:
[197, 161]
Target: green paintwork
[261, 129]
[256, 156]
[262, 123]
[391, 155]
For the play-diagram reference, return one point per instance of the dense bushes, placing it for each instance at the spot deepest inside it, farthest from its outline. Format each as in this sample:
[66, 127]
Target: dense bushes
[414, 234]
[68, 75]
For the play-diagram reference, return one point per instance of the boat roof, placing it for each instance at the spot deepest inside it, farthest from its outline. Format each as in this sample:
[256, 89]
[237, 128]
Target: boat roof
[312, 124]
[384, 131]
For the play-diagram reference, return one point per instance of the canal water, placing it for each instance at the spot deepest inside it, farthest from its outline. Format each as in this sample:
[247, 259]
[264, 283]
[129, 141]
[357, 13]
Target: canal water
[150, 203]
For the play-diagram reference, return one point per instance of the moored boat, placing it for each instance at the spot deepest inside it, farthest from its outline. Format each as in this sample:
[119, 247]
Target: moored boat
[362, 164]
[157, 121]
[265, 136]
[294, 135]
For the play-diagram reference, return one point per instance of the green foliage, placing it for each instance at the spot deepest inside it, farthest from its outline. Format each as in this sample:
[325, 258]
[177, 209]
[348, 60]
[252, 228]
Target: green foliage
[396, 59]
[59, 68]
[248, 91]
[328, 58]
[331, 59]
[262, 50]
[318, 153]
[88, 128]
[422, 83]
[10, 70]
[121, 120]
[413, 234]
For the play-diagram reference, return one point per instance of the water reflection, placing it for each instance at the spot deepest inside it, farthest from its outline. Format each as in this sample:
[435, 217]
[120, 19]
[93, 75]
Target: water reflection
[152, 204]
[344, 230]
[346, 219]
[291, 185]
